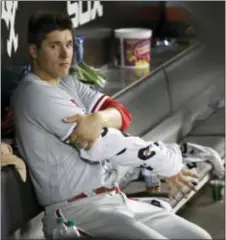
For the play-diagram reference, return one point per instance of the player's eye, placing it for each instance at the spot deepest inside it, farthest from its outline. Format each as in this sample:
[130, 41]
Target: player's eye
[69, 45]
[54, 46]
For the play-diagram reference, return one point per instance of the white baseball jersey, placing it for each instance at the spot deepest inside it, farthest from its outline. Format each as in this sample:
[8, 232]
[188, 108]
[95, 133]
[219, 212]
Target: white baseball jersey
[60, 171]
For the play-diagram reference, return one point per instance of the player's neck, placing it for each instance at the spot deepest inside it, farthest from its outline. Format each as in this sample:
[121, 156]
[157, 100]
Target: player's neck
[43, 75]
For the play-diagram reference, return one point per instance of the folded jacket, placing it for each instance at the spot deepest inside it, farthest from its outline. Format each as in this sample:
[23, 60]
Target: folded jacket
[8, 158]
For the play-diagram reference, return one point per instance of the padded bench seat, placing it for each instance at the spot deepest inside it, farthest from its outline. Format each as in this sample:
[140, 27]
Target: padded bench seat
[213, 126]
[18, 201]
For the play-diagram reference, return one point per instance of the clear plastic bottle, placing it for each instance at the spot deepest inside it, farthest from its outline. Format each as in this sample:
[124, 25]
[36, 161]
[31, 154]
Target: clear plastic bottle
[152, 181]
[78, 50]
[72, 231]
[60, 231]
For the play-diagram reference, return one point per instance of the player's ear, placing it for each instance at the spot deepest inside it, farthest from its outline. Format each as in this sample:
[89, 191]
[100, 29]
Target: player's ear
[32, 50]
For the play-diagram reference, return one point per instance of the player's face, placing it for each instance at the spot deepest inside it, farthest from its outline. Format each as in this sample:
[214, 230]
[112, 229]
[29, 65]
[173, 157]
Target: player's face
[54, 56]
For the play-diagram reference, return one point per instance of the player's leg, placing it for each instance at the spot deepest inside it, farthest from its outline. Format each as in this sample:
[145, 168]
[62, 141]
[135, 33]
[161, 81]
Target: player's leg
[167, 223]
[103, 216]
[178, 227]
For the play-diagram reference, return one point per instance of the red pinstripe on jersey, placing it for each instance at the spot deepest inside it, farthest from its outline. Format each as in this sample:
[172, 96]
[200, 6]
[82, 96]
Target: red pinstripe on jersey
[99, 103]
[73, 101]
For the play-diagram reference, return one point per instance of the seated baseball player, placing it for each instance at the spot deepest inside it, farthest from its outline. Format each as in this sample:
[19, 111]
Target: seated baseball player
[84, 187]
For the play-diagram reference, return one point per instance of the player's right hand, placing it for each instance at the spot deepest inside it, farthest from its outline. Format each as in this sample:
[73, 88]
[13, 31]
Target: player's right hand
[88, 129]
[179, 181]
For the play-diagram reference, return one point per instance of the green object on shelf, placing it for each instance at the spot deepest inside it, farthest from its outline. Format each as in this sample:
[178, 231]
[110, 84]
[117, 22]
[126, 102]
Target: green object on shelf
[89, 75]
[217, 187]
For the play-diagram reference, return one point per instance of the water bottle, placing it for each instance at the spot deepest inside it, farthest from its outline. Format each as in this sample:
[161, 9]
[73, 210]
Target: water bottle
[78, 50]
[72, 231]
[152, 181]
[60, 231]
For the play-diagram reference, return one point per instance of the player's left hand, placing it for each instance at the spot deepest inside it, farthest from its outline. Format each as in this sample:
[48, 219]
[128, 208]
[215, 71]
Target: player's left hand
[179, 181]
[88, 129]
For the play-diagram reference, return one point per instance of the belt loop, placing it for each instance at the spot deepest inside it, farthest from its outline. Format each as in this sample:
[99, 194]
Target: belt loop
[53, 207]
[117, 189]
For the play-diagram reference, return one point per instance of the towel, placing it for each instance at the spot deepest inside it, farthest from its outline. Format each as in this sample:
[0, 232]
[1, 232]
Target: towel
[122, 149]
[8, 158]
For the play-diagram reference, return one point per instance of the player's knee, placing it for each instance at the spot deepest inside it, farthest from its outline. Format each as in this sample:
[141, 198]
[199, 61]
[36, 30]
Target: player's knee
[205, 235]
[200, 233]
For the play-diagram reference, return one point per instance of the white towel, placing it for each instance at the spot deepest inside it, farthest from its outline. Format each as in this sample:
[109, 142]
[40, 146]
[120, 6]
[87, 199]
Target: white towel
[125, 150]
[165, 159]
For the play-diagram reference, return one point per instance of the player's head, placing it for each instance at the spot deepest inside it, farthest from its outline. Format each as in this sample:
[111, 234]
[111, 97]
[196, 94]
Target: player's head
[50, 44]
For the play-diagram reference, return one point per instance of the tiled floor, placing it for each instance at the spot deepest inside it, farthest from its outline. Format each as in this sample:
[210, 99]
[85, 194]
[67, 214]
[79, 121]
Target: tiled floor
[208, 214]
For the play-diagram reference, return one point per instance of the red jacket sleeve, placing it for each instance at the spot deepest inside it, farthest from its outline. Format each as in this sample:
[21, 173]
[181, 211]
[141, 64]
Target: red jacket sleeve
[126, 116]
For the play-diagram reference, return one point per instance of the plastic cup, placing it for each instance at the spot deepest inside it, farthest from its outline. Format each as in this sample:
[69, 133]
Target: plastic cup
[217, 186]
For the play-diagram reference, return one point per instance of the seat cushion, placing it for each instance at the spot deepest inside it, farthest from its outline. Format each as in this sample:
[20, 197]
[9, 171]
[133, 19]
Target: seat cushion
[18, 201]
[213, 126]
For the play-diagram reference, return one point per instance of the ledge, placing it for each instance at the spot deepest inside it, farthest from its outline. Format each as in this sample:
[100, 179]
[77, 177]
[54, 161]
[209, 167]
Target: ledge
[120, 80]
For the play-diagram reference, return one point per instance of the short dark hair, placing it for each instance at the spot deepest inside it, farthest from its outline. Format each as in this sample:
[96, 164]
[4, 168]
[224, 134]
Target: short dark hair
[42, 23]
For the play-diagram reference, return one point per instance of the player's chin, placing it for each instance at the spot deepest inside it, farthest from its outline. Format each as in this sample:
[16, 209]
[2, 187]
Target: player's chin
[63, 73]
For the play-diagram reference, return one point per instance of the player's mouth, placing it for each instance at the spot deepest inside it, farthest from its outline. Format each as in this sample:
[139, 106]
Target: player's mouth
[64, 65]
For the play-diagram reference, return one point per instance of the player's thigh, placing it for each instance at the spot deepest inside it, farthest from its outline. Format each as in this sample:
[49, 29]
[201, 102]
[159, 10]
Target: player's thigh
[108, 217]
[117, 220]
[176, 227]
[167, 223]
[143, 210]
[119, 226]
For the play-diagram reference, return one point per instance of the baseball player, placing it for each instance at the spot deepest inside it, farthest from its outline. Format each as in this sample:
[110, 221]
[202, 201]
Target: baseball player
[85, 191]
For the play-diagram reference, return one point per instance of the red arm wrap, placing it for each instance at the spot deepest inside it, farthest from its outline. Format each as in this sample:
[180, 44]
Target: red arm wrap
[126, 116]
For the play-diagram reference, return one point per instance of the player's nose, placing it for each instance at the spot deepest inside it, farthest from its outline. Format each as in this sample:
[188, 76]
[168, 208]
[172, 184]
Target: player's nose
[64, 52]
